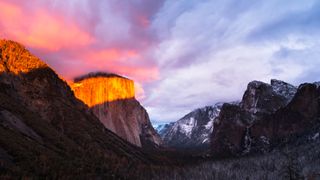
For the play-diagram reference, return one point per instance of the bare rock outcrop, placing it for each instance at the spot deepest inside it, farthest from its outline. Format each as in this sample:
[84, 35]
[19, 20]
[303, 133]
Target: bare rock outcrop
[268, 115]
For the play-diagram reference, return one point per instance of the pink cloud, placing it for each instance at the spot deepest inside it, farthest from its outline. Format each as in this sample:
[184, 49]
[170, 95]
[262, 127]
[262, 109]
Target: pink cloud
[78, 37]
[123, 62]
[40, 29]
[112, 54]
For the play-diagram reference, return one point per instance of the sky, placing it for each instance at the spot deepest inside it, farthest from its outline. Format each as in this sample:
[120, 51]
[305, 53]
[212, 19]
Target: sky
[182, 54]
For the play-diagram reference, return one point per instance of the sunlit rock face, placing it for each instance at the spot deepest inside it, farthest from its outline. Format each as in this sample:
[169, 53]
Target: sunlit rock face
[112, 99]
[28, 80]
[16, 59]
[104, 88]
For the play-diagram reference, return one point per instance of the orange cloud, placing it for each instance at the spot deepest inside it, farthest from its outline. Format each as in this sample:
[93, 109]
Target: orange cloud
[112, 55]
[141, 74]
[40, 29]
[123, 62]
[9, 10]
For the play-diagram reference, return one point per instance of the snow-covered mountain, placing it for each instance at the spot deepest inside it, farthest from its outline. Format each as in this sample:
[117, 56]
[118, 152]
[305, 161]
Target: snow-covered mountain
[194, 129]
[191, 131]
[163, 128]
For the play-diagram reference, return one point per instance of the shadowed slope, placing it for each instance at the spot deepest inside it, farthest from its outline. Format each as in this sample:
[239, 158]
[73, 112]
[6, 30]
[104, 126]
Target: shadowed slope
[46, 131]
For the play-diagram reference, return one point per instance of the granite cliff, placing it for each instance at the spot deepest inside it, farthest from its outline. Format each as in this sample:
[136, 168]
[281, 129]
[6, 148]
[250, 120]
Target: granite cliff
[112, 99]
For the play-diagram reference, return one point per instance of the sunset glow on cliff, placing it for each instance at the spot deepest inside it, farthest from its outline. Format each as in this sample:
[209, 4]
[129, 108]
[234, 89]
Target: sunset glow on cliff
[99, 90]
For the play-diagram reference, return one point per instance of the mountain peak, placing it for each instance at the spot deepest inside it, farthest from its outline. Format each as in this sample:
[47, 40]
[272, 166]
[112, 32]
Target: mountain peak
[193, 130]
[277, 81]
[255, 83]
[283, 89]
[15, 58]
[261, 96]
[317, 83]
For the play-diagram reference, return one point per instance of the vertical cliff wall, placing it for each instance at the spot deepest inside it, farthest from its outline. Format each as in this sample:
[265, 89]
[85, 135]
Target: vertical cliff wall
[111, 98]
[98, 90]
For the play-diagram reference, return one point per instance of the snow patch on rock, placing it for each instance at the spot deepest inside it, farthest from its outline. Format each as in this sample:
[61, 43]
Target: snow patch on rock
[193, 129]
[283, 89]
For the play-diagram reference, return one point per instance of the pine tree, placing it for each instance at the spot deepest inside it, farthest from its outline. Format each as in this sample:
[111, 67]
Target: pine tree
[291, 169]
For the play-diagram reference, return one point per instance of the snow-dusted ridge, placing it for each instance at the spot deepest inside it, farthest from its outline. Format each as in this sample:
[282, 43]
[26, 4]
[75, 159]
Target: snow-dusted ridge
[195, 128]
[283, 89]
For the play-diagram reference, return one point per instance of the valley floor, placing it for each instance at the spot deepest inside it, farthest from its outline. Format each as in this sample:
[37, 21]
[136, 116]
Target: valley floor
[297, 161]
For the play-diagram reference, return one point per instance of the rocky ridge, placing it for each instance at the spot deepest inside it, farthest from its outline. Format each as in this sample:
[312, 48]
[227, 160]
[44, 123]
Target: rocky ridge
[193, 130]
[267, 116]
[46, 132]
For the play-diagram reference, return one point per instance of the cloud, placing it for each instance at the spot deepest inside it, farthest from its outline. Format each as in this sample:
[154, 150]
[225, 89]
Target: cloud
[210, 51]
[80, 36]
[182, 54]
[38, 29]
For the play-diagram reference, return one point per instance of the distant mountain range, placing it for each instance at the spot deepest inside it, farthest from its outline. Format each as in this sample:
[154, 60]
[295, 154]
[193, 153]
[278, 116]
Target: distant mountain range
[217, 125]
